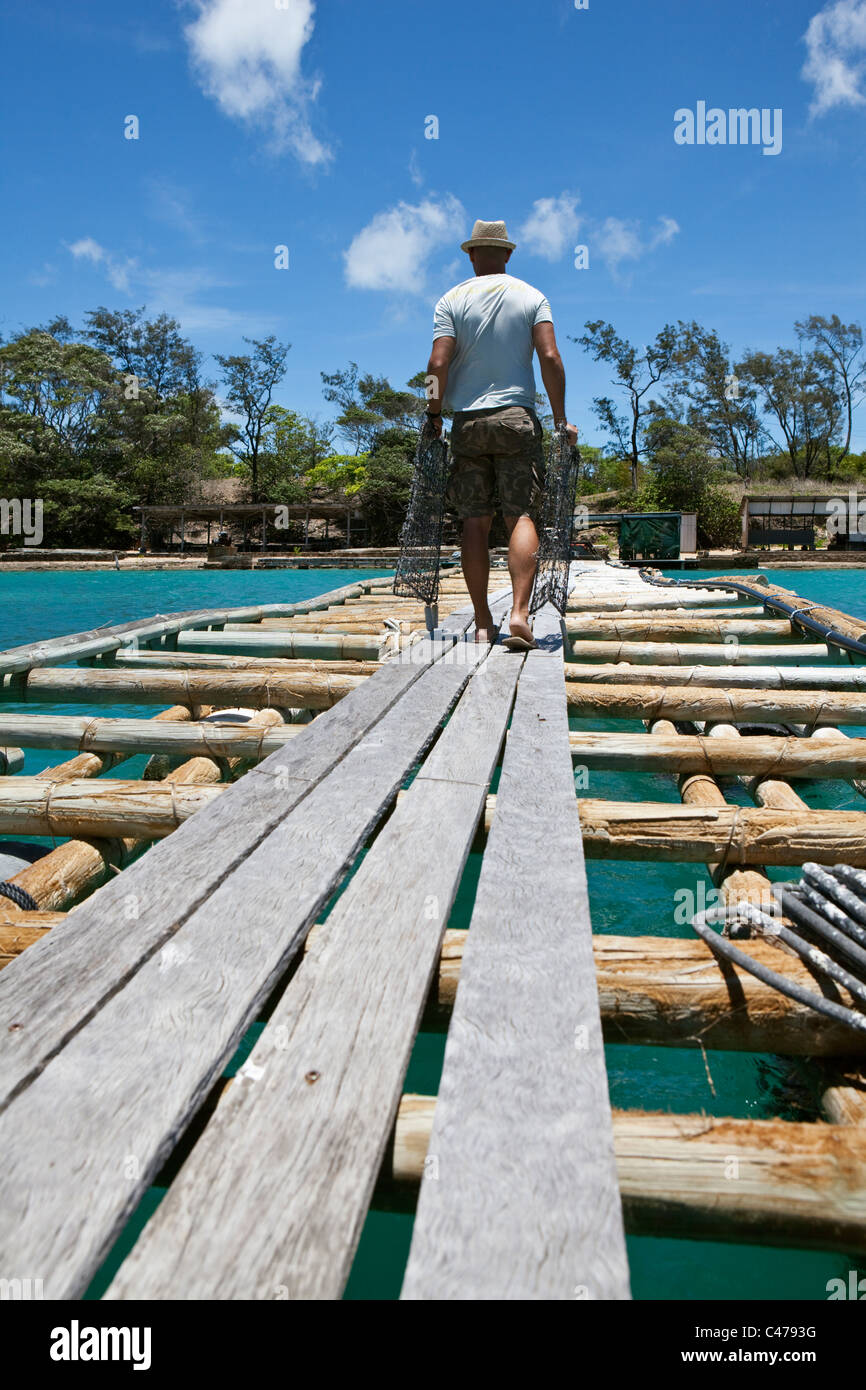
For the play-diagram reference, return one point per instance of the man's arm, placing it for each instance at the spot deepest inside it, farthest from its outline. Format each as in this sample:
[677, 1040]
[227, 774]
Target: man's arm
[437, 375]
[552, 374]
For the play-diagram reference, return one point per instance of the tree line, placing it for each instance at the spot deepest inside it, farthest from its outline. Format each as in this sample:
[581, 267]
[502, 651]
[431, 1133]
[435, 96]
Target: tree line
[121, 412]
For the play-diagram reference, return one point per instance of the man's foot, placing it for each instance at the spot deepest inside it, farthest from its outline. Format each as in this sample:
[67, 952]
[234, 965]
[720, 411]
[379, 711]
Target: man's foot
[485, 628]
[519, 627]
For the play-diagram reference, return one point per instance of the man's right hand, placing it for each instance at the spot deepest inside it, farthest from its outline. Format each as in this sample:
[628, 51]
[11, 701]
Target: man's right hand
[570, 430]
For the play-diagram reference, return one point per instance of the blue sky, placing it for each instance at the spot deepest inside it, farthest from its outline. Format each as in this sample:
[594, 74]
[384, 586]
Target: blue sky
[282, 122]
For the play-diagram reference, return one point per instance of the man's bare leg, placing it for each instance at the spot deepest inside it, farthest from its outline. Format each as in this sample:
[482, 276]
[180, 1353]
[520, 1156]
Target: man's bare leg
[522, 557]
[475, 558]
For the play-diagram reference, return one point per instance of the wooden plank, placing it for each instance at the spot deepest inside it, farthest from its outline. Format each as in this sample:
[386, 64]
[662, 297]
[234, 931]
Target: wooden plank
[285, 1170]
[131, 1077]
[522, 1198]
[51, 991]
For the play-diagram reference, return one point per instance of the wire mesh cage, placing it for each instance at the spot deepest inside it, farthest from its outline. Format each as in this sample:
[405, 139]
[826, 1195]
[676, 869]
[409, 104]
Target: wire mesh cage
[421, 537]
[555, 531]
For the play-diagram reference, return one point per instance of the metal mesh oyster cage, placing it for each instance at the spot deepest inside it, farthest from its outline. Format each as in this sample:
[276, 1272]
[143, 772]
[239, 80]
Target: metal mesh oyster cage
[555, 531]
[421, 537]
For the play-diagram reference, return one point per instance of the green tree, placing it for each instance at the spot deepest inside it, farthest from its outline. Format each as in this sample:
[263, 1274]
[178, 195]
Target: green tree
[719, 395]
[841, 346]
[636, 373]
[679, 477]
[250, 380]
[800, 396]
[292, 446]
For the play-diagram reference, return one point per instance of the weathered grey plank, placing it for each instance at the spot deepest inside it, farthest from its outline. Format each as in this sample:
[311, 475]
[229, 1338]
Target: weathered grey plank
[274, 1196]
[56, 985]
[82, 1141]
[520, 1197]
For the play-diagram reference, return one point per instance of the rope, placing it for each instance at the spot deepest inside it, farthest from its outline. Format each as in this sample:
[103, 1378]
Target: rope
[721, 867]
[19, 896]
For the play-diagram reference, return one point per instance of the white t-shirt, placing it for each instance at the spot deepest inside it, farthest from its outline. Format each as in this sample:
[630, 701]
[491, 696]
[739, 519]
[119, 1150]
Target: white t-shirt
[492, 318]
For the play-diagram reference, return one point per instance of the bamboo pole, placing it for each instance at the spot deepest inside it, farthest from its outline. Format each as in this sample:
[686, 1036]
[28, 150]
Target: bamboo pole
[758, 756]
[76, 868]
[675, 629]
[11, 761]
[648, 601]
[730, 834]
[212, 661]
[327, 627]
[70, 870]
[735, 884]
[830, 734]
[733, 653]
[131, 737]
[18, 930]
[663, 991]
[578, 613]
[90, 807]
[322, 645]
[768, 1181]
[820, 679]
[309, 690]
[705, 703]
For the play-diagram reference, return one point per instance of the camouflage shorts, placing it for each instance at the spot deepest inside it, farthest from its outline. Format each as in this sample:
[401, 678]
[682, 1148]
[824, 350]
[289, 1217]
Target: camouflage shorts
[495, 454]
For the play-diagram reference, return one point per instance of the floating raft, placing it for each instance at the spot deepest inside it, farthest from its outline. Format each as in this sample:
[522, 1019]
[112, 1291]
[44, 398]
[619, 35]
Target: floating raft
[291, 856]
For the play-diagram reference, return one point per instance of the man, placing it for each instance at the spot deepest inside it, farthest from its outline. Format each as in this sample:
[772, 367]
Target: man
[484, 333]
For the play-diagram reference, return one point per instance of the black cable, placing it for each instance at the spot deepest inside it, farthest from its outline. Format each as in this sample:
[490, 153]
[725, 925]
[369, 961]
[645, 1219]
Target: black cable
[19, 896]
[721, 944]
[788, 610]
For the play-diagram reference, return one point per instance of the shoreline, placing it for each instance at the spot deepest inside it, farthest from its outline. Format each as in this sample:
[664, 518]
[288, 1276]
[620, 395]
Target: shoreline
[689, 564]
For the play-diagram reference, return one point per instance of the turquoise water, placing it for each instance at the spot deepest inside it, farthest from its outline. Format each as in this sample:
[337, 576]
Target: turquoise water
[638, 899]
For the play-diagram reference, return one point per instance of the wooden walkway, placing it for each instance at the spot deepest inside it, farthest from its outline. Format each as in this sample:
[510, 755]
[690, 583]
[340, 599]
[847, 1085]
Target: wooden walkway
[314, 856]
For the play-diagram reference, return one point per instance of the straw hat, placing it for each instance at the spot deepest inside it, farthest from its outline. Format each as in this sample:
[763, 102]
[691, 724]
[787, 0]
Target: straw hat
[489, 234]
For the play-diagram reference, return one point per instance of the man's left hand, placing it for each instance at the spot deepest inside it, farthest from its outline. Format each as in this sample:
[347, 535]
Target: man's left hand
[434, 425]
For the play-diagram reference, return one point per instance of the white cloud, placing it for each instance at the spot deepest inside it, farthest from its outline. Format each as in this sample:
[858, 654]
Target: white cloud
[117, 271]
[836, 45]
[246, 55]
[182, 293]
[392, 251]
[87, 249]
[415, 170]
[551, 227]
[667, 230]
[619, 240]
